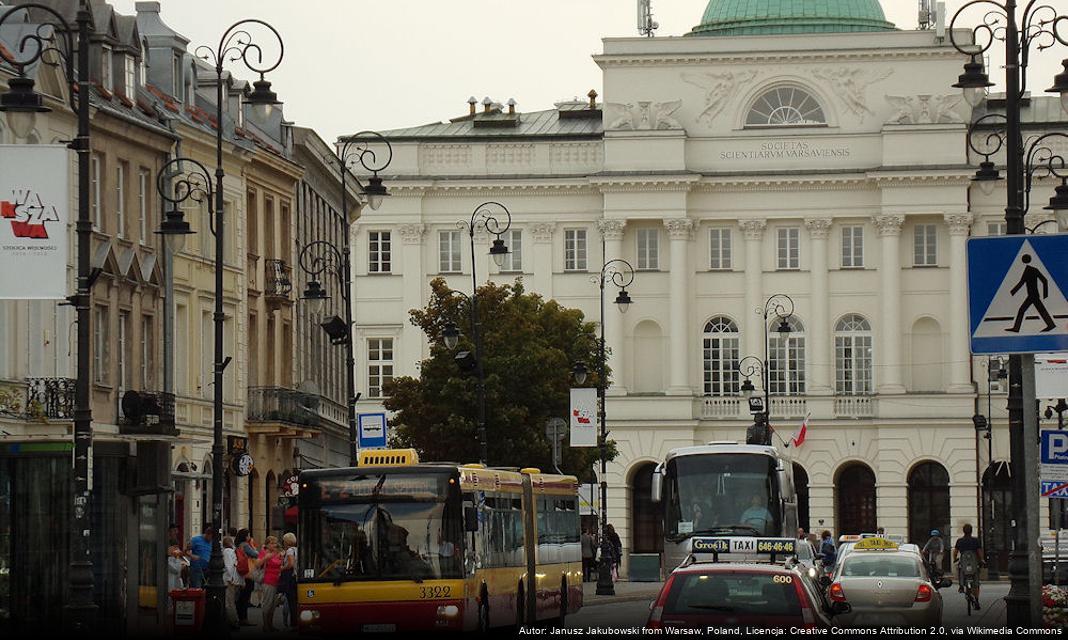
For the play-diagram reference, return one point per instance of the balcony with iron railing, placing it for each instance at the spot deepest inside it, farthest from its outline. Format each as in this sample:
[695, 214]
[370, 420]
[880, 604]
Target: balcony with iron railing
[278, 283]
[855, 407]
[280, 411]
[38, 399]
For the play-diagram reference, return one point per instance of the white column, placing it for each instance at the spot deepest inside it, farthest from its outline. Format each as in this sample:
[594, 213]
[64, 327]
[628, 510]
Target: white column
[889, 229]
[680, 230]
[819, 329]
[612, 232]
[960, 225]
[542, 236]
[754, 286]
[412, 340]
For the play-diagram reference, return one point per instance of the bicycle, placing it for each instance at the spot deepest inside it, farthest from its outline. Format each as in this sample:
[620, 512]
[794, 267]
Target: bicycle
[969, 583]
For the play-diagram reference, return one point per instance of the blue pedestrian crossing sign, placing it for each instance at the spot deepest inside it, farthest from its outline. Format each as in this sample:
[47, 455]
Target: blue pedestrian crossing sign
[1016, 293]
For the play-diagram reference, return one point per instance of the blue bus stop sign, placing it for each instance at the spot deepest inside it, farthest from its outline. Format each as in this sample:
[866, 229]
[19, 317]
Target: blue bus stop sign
[1016, 293]
[372, 430]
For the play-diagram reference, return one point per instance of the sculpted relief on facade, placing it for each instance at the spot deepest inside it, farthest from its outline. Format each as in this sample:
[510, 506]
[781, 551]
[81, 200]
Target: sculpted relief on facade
[925, 109]
[642, 116]
[718, 88]
[850, 85]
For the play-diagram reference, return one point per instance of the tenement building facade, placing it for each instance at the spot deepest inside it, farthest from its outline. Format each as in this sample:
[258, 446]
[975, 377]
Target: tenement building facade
[771, 152]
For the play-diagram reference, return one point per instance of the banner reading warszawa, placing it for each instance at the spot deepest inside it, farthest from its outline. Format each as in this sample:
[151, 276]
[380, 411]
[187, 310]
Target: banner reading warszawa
[34, 212]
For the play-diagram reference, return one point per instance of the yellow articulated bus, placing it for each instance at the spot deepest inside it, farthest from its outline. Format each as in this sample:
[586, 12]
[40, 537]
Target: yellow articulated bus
[395, 545]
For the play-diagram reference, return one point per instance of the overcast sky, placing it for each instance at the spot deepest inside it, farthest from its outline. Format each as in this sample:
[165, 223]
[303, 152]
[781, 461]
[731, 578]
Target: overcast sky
[382, 64]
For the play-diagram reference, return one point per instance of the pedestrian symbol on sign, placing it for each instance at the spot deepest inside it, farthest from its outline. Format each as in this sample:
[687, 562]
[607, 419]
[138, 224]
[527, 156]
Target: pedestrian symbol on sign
[1030, 279]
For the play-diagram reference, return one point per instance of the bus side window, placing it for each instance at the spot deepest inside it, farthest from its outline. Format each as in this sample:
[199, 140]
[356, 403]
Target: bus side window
[470, 519]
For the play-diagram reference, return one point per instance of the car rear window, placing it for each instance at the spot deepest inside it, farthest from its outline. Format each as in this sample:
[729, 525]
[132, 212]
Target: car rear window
[734, 593]
[875, 566]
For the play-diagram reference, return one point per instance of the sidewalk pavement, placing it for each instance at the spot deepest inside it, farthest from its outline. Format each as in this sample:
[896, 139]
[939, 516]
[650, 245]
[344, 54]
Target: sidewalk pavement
[625, 592]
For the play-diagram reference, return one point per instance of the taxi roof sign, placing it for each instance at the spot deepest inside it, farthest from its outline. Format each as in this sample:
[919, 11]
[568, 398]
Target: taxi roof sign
[746, 547]
[876, 544]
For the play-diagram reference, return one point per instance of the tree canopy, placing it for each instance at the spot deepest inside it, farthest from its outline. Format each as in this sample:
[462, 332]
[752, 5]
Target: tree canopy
[529, 348]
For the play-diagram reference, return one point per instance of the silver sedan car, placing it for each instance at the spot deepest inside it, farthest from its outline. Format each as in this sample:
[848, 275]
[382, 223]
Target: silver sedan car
[886, 587]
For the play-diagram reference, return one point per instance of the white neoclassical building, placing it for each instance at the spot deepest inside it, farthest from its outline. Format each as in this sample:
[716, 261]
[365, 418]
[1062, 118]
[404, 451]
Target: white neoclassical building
[771, 150]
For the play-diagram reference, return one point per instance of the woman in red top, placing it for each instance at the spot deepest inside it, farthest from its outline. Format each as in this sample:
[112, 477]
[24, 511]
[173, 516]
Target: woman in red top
[271, 559]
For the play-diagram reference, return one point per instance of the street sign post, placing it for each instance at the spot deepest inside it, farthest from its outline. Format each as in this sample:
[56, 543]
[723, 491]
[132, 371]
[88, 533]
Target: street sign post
[1017, 289]
[1053, 469]
[372, 430]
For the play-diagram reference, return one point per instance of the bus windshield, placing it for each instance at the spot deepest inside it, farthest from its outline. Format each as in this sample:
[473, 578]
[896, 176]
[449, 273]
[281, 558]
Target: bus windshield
[382, 527]
[721, 494]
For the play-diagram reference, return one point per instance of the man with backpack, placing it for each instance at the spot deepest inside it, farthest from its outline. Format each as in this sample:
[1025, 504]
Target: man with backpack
[968, 554]
[933, 552]
[828, 552]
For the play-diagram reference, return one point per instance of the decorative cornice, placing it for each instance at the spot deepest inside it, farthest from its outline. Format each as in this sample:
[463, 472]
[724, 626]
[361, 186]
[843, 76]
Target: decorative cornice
[412, 233]
[819, 228]
[542, 231]
[680, 228]
[611, 229]
[753, 228]
[888, 224]
[633, 184]
[786, 57]
[960, 224]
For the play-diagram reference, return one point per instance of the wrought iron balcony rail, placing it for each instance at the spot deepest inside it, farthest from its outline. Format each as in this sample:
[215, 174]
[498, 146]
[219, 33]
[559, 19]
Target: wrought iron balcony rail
[278, 404]
[50, 398]
[279, 278]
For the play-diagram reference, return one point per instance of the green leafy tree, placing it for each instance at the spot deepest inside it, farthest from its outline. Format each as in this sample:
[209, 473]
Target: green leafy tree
[529, 347]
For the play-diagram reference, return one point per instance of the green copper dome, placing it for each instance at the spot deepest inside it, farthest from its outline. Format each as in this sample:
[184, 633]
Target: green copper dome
[768, 17]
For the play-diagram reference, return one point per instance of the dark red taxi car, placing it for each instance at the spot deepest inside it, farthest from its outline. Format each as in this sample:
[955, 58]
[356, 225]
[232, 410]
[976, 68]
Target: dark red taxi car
[709, 594]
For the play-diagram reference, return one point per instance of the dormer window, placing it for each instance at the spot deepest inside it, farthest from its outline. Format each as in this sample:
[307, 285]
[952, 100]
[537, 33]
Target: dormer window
[176, 76]
[105, 68]
[131, 77]
[785, 107]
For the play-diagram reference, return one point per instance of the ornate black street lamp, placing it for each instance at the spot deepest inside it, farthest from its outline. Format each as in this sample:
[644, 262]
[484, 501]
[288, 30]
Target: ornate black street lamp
[320, 256]
[781, 307]
[495, 218]
[621, 274]
[1040, 27]
[236, 44]
[52, 39]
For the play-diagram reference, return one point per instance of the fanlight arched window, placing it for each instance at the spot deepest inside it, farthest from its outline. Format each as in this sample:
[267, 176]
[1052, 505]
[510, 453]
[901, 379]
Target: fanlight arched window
[786, 359]
[721, 347]
[852, 355]
[785, 107]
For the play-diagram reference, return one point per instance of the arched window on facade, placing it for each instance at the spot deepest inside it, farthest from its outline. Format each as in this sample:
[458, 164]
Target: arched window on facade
[785, 106]
[928, 503]
[852, 356]
[786, 359]
[647, 529]
[721, 353]
[855, 499]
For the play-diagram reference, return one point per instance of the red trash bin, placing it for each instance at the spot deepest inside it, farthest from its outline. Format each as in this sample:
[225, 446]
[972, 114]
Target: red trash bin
[187, 606]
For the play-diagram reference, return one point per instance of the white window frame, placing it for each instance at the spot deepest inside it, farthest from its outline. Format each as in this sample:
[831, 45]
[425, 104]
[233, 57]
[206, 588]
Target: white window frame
[925, 245]
[101, 375]
[143, 180]
[648, 246]
[106, 68]
[124, 351]
[576, 250]
[94, 190]
[853, 362]
[379, 252]
[786, 106]
[207, 354]
[176, 77]
[996, 228]
[513, 260]
[120, 193]
[721, 351]
[379, 367]
[720, 249]
[786, 359]
[788, 248]
[853, 247]
[147, 359]
[131, 76]
[450, 253]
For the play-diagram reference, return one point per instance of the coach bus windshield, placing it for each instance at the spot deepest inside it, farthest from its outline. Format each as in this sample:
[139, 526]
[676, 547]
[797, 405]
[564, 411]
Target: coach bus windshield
[721, 494]
[381, 527]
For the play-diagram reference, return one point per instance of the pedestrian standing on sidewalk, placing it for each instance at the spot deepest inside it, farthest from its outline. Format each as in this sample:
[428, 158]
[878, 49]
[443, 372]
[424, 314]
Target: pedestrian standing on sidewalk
[615, 550]
[199, 552]
[589, 552]
[247, 553]
[272, 570]
[176, 564]
[288, 582]
[233, 581]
